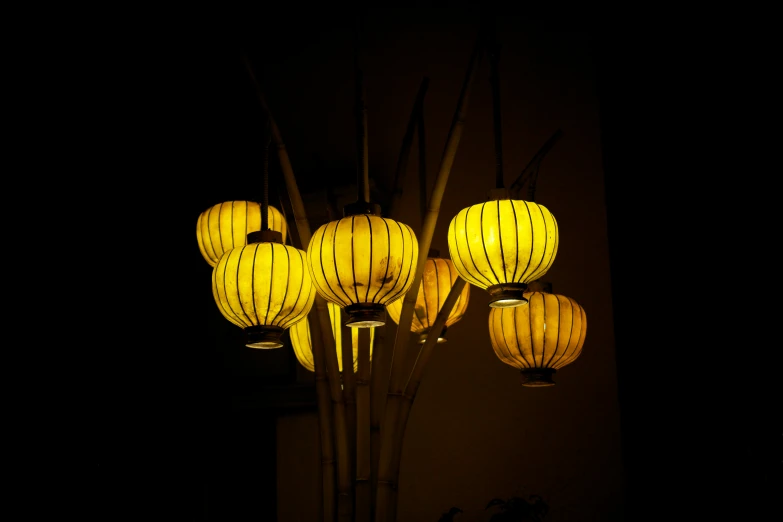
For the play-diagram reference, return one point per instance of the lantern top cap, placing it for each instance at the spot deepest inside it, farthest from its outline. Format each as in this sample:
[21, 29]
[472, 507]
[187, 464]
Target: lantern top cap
[361, 207]
[433, 252]
[539, 286]
[265, 236]
[498, 193]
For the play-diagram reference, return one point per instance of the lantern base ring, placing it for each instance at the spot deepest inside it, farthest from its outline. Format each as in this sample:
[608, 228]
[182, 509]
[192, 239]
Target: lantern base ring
[507, 295]
[263, 336]
[537, 377]
[365, 315]
[441, 337]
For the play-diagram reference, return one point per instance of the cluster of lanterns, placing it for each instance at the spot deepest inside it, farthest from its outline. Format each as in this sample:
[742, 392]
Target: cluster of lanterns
[364, 264]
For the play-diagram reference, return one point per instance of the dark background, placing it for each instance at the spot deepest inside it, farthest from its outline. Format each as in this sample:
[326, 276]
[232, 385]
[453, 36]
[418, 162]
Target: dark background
[166, 439]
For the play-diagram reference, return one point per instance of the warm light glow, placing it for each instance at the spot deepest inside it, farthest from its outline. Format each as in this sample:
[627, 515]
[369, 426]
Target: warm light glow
[539, 338]
[263, 288]
[226, 225]
[437, 279]
[501, 245]
[362, 263]
[303, 345]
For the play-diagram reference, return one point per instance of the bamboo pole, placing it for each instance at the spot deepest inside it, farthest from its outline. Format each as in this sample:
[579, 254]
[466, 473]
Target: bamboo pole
[349, 388]
[379, 383]
[326, 349]
[386, 480]
[363, 484]
[407, 142]
[412, 386]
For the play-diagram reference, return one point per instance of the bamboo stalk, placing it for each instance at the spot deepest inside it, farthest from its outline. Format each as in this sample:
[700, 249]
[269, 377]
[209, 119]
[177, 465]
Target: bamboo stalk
[379, 383]
[363, 452]
[386, 479]
[349, 389]
[414, 380]
[326, 349]
[407, 142]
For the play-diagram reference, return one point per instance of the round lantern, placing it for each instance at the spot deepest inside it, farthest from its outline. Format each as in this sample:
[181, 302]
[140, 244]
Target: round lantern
[263, 287]
[539, 338]
[362, 263]
[501, 245]
[226, 225]
[437, 279]
[303, 345]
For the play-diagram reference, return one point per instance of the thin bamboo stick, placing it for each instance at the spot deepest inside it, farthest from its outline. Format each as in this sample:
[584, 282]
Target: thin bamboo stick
[414, 380]
[363, 452]
[326, 349]
[386, 480]
[407, 142]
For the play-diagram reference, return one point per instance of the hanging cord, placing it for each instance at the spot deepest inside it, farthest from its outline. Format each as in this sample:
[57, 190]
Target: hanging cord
[494, 51]
[265, 201]
[363, 185]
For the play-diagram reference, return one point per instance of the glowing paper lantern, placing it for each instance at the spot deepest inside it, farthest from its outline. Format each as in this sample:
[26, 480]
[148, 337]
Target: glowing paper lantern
[501, 245]
[539, 338]
[226, 225]
[363, 262]
[437, 279]
[264, 288]
[303, 345]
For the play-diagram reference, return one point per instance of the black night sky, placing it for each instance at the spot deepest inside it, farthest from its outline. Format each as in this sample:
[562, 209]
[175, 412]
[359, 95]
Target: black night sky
[166, 435]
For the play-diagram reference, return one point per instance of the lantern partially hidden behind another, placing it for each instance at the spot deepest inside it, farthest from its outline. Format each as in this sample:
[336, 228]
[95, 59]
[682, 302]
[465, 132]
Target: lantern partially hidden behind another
[437, 279]
[362, 262]
[539, 338]
[303, 346]
[501, 245]
[263, 287]
[226, 225]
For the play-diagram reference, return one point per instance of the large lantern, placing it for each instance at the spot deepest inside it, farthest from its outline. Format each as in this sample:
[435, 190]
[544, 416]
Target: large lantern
[363, 262]
[263, 287]
[437, 279]
[226, 225]
[302, 342]
[540, 338]
[501, 245]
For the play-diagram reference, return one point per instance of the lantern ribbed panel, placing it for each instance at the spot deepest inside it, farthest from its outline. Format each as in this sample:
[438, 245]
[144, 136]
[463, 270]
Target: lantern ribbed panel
[437, 279]
[226, 225]
[503, 241]
[548, 332]
[363, 259]
[302, 343]
[263, 284]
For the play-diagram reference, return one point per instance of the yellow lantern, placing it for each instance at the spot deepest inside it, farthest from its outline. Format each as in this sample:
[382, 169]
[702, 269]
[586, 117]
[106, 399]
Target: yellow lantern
[362, 263]
[303, 345]
[540, 338]
[263, 287]
[437, 279]
[226, 225]
[501, 245]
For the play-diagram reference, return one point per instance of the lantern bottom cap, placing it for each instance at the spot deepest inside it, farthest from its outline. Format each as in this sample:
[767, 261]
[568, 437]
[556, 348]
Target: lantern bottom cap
[365, 315]
[263, 336]
[537, 377]
[507, 295]
[441, 337]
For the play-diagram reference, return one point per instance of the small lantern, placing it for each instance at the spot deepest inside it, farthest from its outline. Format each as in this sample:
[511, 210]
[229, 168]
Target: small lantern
[226, 225]
[302, 342]
[363, 262]
[539, 338]
[437, 279]
[501, 245]
[263, 287]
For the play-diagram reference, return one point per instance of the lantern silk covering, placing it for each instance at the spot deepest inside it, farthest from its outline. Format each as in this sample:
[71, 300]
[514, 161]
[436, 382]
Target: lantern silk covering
[226, 225]
[437, 279]
[263, 284]
[363, 260]
[503, 242]
[546, 334]
[302, 343]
